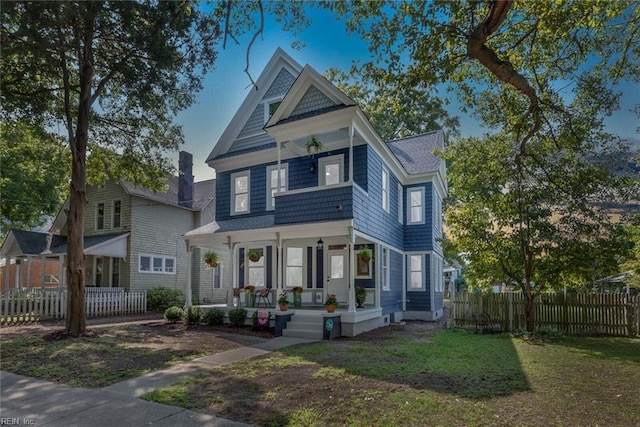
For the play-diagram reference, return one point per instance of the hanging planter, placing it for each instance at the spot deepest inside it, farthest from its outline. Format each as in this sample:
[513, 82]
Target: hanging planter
[211, 259]
[314, 146]
[365, 254]
[254, 255]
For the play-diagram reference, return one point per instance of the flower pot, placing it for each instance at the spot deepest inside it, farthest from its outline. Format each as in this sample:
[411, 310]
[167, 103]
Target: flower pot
[297, 300]
[249, 299]
[212, 264]
[255, 258]
[284, 307]
[364, 258]
[330, 308]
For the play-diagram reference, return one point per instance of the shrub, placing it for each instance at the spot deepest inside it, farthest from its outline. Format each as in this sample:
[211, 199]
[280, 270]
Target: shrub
[237, 316]
[193, 314]
[161, 298]
[174, 314]
[214, 317]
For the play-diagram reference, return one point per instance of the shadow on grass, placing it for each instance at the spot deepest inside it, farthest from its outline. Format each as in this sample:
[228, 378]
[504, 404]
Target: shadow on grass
[604, 347]
[449, 361]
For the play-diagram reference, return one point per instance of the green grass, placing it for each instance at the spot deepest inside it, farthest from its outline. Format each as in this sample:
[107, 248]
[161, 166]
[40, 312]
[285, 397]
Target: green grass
[95, 361]
[447, 378]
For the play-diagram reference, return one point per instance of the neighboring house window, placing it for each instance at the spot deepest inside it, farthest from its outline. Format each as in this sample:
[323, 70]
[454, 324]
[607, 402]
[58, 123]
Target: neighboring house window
[115, 272]
[400, 205]
[256, 271]
[384, 269]
[240, 192]
[99, 265]
[415, 272]
[158, 264]
[294, 267]
[272, 187]
[385, 190]
[415, 212]
[100, 216]
[117, 214]
[331, 170]
[217, 277]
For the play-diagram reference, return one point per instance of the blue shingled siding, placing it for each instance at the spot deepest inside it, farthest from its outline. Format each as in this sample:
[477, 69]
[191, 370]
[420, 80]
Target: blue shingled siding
[420, 237]
[280, 85]
[391, 300]
[329, 204]
[369, 217]
[312, 100]
[299, 169]
[421, 300]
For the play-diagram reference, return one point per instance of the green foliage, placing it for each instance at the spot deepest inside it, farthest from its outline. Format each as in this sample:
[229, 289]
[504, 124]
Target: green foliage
[161, 298]
[193, 314]
[237, 316]
[214, 316]
[361, 295]
[174, 314]
[34, 175]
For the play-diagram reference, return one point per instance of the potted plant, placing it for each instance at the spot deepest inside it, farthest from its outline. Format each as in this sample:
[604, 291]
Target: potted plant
[254, 255]
[283, 302]
[236, 296]
[211, 258]
[331, 302]
[314, 146]
[361, 296]
[249, 295]
[365, 254]
[297, 296]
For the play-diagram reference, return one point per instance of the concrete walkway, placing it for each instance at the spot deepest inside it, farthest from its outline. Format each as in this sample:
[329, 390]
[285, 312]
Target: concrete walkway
[28, 401]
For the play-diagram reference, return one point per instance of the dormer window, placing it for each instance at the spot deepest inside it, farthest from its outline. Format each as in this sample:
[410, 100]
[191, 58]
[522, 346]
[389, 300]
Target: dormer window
[270, 108]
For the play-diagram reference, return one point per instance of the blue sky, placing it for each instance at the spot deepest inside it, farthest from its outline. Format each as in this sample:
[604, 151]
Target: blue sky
[327, 45]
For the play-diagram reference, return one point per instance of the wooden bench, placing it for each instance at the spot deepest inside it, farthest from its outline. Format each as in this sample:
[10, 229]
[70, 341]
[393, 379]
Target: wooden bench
[484, 323]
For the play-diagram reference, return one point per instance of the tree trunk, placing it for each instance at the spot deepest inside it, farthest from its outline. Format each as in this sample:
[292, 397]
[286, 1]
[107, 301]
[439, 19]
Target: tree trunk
[530, 313]
[76, 313]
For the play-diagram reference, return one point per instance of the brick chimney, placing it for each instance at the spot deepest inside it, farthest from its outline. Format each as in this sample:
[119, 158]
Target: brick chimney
[185, 180]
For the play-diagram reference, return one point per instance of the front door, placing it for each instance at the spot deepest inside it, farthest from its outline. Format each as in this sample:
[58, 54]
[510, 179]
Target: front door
[338, 275]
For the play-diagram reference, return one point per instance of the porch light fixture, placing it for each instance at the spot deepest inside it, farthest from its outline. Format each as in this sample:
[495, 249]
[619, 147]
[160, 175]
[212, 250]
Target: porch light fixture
[312, 167]
[320, 244]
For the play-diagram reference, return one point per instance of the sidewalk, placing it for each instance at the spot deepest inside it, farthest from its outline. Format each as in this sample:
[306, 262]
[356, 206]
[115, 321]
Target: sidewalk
[28, 401]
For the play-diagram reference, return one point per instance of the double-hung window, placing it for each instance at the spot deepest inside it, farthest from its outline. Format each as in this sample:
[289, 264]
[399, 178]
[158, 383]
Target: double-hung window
[273, 186]
[416, 281]
[385, 190]
[331, 170]
[116, 214]
[240, 182]
[415, 214]
[294, 267]
[100, 216]
[384, 269]
[256, 272]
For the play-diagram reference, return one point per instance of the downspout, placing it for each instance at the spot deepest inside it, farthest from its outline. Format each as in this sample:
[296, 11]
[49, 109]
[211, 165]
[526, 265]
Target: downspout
[351, 132]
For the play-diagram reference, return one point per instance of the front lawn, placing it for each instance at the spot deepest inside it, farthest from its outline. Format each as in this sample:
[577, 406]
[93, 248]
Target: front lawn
[399, 376]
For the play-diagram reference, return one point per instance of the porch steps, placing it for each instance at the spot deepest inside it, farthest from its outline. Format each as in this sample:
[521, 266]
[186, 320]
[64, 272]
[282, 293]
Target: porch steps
[304, 326]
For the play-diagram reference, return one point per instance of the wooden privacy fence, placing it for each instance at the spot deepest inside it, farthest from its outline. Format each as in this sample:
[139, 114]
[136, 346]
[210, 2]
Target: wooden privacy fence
[17, 306]
[573, 314]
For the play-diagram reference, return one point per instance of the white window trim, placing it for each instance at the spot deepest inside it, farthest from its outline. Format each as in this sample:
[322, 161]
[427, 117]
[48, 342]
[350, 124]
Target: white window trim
[104, 215]
[97, 259]
[246, 173]
[112, 263]
[385, 193]
[409, 191]
[219, 272]
[385, 267]
[151, 257]
[339, 159]
[436, 273]
[400, 204]
[410, 271]
[113, 213]
[284, 166]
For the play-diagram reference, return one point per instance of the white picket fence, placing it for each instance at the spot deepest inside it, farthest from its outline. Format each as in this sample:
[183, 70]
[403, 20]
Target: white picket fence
[30, 305]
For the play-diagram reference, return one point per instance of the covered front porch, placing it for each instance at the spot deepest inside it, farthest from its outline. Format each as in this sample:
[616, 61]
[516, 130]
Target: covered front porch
[317, 259]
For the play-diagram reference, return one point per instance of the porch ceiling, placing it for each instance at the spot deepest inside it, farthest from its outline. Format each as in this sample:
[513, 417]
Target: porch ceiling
[223, 231]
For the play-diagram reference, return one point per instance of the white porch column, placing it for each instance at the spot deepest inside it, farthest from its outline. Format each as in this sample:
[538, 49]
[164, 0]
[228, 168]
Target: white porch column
[29, 262]
[43, 277]
[278, 171]
[351, 131]
[187, 293]
[7, 270]
[18, 271]
[352, 272]
[279, 272]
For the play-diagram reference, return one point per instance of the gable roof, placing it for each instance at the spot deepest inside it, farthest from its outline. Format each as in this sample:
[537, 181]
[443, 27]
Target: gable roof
[272, 70]
[416, 153]
[203, 193]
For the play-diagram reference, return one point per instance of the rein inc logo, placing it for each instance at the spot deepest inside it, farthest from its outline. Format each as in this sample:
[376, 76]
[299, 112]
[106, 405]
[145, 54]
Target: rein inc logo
[7, 421]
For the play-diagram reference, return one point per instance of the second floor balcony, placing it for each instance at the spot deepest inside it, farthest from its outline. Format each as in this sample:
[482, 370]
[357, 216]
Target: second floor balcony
[314, 204]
